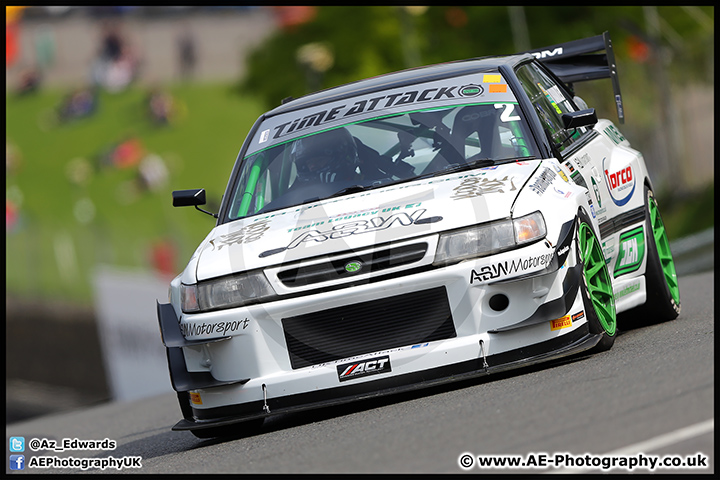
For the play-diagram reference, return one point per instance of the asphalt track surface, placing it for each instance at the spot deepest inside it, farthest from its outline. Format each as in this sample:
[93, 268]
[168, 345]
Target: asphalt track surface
[652, 394]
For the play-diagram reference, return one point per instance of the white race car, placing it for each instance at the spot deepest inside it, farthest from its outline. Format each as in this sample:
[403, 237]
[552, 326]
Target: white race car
[415, 228]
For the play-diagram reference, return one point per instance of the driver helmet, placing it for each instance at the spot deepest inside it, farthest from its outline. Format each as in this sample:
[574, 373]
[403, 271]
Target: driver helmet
[329, 156]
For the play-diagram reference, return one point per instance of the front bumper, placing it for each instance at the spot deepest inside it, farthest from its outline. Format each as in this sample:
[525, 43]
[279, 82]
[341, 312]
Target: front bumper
[253, 370]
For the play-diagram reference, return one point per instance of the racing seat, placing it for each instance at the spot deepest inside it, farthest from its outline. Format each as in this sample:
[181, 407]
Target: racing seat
[475, 133]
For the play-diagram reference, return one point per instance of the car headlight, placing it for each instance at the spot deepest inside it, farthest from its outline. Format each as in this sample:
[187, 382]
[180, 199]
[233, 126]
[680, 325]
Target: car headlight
[226, 292]
[489, 238]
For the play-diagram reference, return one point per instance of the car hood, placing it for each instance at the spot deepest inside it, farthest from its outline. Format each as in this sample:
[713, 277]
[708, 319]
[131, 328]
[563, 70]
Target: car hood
[363, 219]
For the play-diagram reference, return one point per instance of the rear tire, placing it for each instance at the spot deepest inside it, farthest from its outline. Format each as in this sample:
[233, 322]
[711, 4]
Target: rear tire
[663, 292]
[596, 288]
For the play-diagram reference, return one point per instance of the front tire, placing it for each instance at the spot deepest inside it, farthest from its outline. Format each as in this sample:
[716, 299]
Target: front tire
[596, 289]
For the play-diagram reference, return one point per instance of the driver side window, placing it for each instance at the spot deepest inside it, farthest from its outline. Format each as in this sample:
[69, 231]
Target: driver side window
[550, 102]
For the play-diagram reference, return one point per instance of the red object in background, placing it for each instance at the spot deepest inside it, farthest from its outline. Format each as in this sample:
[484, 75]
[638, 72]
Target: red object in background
[456, 17]
[128, 153]
[637, 49]
[11, 215]
[12, 47]
[163, 258]
[292, 16]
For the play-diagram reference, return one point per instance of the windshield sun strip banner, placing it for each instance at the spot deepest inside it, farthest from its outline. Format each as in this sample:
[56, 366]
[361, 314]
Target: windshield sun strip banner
[423, 96]
[389, 115]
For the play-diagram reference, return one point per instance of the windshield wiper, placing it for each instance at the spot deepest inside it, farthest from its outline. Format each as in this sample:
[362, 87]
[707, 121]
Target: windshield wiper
[352, 189]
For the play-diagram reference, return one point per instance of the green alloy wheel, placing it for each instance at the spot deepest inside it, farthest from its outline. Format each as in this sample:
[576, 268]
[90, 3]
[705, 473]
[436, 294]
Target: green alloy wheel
[597, 290]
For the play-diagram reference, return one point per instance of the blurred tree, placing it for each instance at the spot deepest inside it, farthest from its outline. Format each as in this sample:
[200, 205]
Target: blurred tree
[393, 38]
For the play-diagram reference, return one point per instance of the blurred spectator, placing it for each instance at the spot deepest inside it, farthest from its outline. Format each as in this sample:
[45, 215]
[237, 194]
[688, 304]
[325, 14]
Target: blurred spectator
[116, 66]
[29, 81]
[153, 174]
[163, 255]
[13, 158]
[78, 104]
[187, 52]
[124, 154]
[160, 105]
[11, 215]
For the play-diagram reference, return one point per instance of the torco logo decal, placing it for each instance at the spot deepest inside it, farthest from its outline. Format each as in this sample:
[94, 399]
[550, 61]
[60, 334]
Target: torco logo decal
[373, 366]
[620, 184]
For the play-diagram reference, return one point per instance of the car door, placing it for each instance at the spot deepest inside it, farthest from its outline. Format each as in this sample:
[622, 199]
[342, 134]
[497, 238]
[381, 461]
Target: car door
[599, 159]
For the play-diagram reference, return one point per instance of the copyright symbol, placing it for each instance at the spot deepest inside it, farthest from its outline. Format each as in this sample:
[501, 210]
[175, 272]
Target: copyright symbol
[466, 461]
[34, 444]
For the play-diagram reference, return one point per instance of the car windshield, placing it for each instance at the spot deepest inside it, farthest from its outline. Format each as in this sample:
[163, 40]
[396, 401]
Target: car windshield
[380, 151]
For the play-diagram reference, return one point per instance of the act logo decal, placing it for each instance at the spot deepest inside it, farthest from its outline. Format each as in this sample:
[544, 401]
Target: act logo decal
[620, 184]
[631, 251]
[372, 366]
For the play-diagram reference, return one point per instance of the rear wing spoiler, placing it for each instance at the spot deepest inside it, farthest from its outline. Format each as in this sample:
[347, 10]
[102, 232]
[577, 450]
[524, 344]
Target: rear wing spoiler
[576, 61]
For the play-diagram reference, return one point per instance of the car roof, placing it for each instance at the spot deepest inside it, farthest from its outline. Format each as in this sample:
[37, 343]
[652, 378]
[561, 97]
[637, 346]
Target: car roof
[400, 78]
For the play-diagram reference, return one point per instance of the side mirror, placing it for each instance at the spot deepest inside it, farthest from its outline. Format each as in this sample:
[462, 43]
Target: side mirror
[581, 118]
[188, 198]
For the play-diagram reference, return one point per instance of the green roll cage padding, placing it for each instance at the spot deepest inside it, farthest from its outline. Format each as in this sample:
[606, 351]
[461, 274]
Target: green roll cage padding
[517, 132]
[251, 184]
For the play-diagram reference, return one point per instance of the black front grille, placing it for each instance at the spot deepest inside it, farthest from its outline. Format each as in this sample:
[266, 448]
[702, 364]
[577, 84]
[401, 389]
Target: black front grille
[343, 332]
[335, 269]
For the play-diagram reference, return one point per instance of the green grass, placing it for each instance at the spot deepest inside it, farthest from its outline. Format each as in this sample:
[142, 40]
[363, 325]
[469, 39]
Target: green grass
[199, 151]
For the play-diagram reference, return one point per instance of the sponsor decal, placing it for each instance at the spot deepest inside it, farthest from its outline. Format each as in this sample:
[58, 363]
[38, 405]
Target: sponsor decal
[570, 167]
[380, 102]
[373, 366]
[634, 287]
[560, 172]
[582, 160]
[492, 78]
[471, 90]
[358, 227]
[620, 184]
[563, 193]
[548, 53]
[352, 215]
[560, 323]
[542, 181]
[631, 251]
[264, 135]
[549, 98]
[497, 88]
[365, 355]
[596, 191]
[508, 267]
[219, 328]
[195, 398]
[246, 234]
[578, 316]
[578, 179]
[475, 187]
[614, 134]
